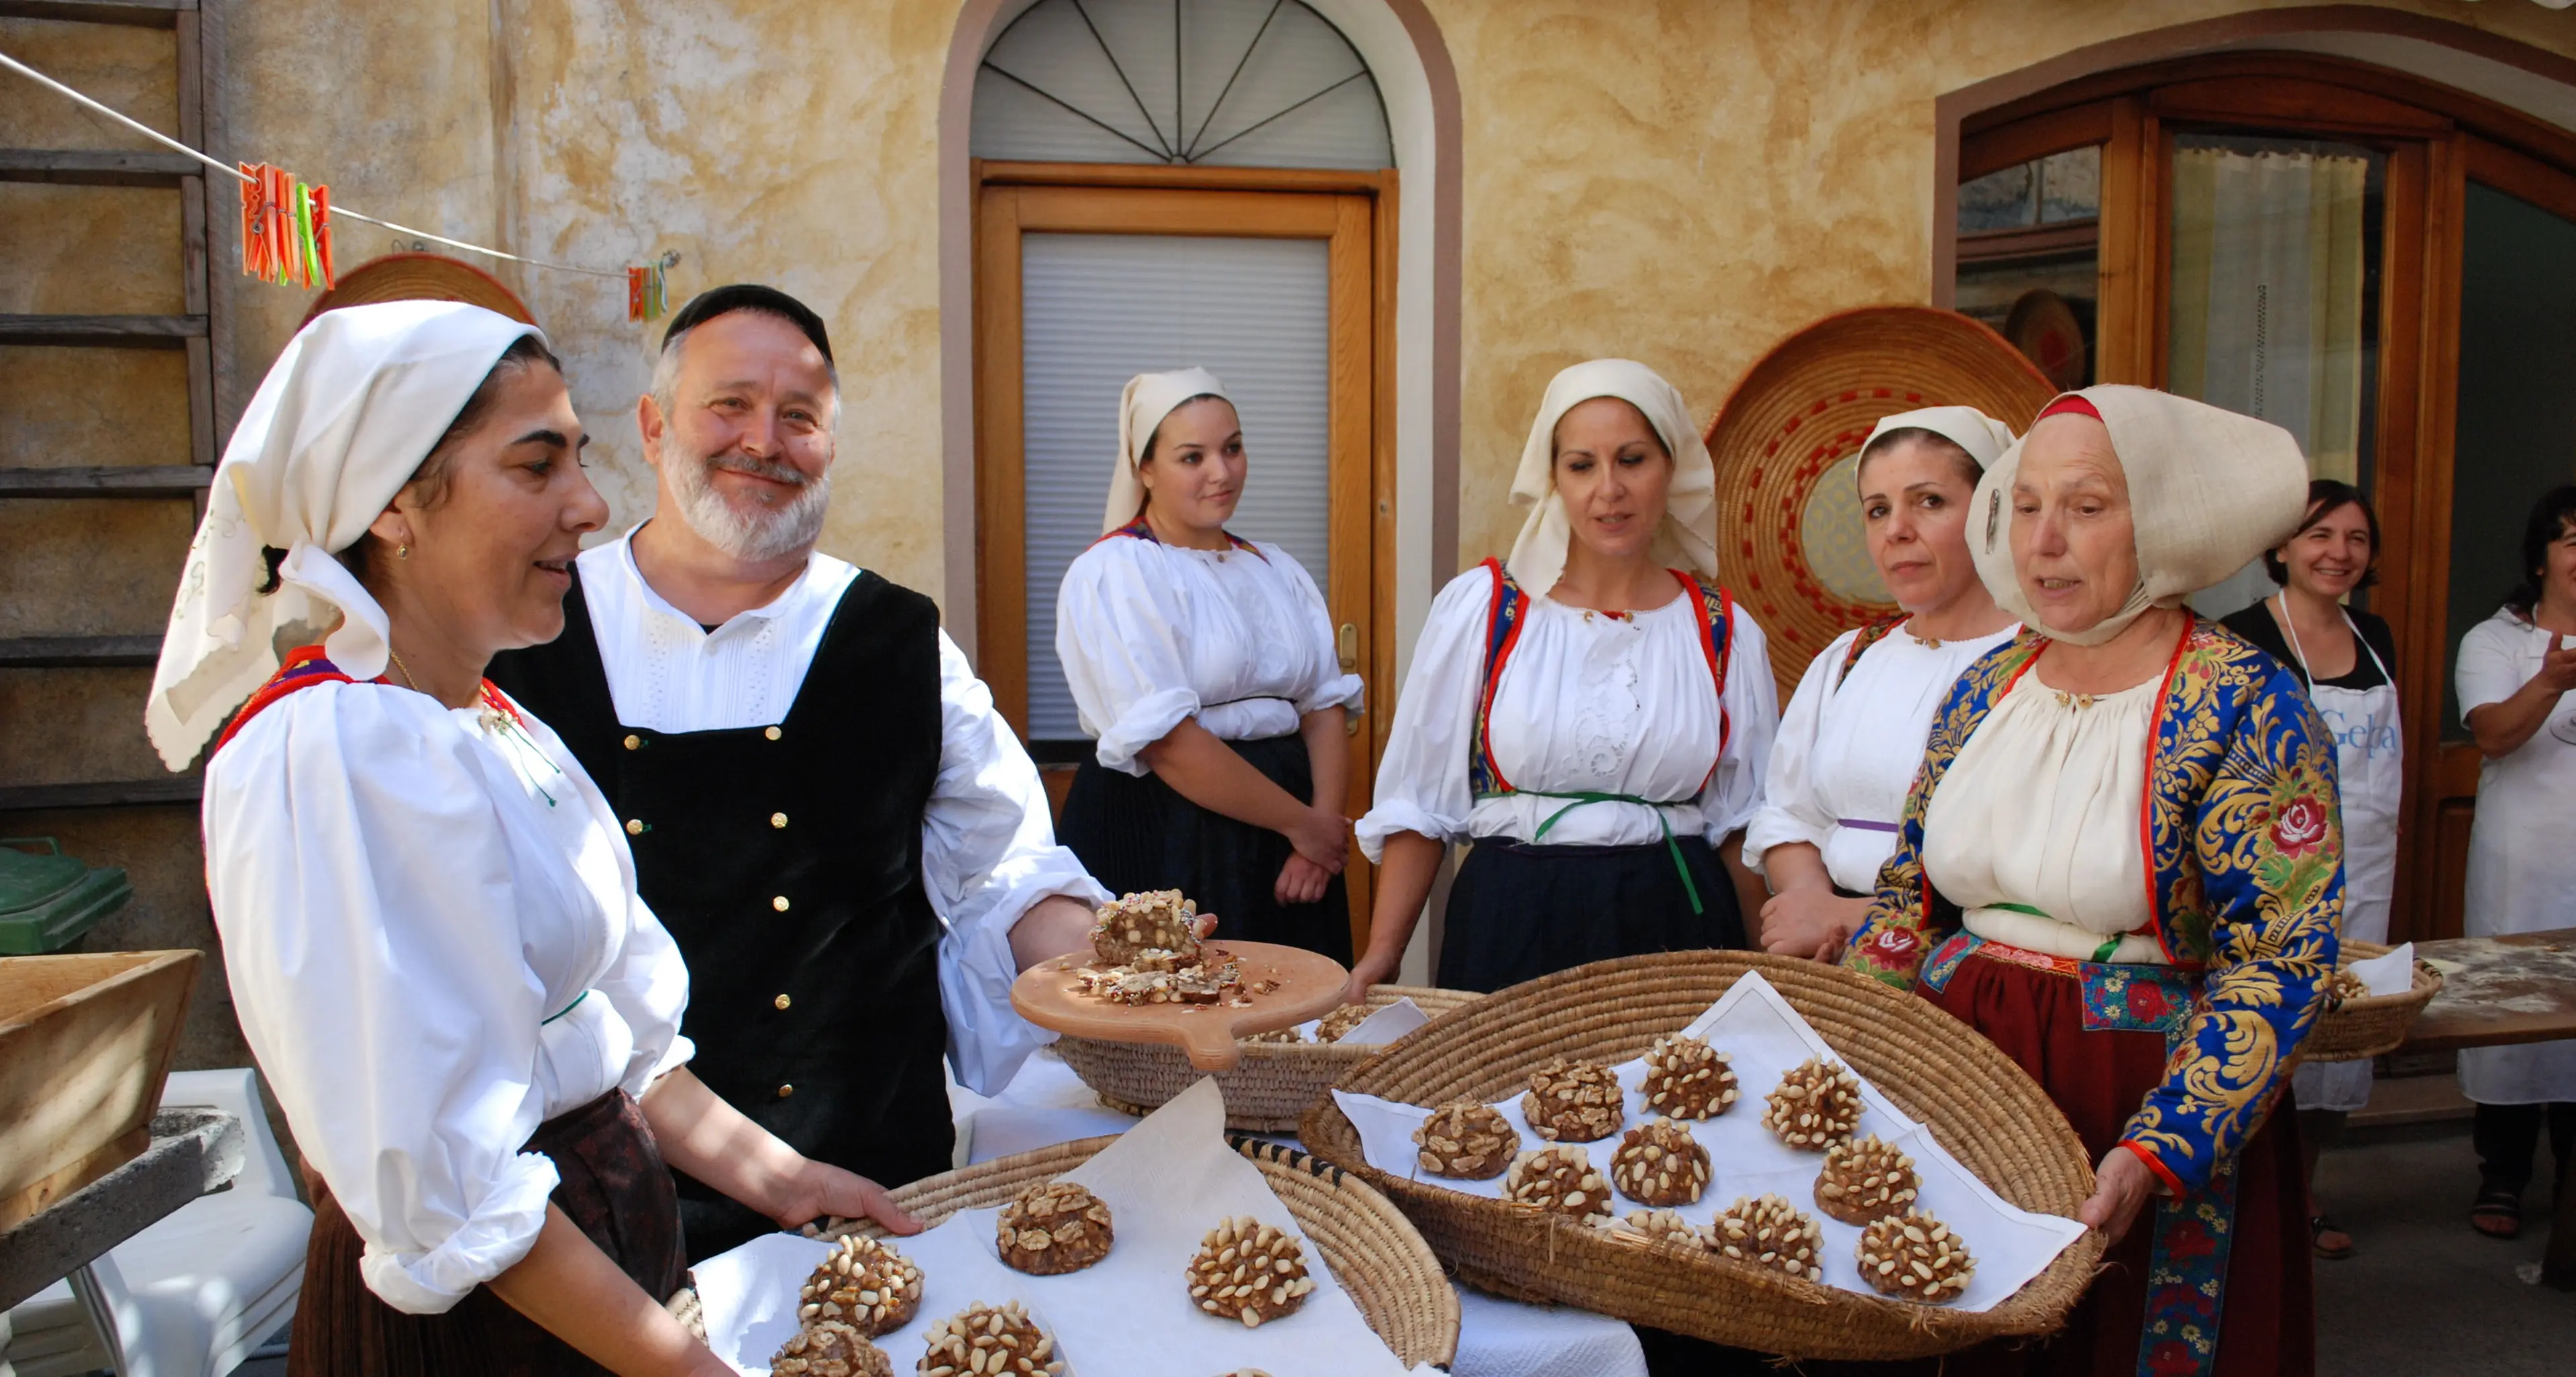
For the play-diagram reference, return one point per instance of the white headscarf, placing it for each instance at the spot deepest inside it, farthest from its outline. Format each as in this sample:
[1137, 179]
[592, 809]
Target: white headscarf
[1148, 398]
[1688, 538]
[1982, 436]
[340, 423]
[2208, 491]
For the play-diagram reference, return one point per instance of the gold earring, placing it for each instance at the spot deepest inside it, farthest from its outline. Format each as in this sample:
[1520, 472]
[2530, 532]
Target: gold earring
[402, 552]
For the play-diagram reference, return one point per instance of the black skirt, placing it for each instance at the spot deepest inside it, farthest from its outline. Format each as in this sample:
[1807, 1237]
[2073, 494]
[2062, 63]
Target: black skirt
[612, 1185]
[1136, 833]
[1519, 911]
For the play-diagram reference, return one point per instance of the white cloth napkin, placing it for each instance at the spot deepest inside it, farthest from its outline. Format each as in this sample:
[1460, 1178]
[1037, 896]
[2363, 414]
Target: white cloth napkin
[2390, 974]
[1166, 1183]
[1763, 1037]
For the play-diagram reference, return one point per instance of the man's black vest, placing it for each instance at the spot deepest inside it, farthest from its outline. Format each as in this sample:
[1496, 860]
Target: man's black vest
[786, 862]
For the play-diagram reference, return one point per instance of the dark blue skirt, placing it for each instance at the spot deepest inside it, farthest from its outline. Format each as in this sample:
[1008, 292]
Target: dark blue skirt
[1137, 833]
[1519, 911]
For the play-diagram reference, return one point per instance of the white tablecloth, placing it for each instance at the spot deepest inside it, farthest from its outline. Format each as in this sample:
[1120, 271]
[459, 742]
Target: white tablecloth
[1047, 1104]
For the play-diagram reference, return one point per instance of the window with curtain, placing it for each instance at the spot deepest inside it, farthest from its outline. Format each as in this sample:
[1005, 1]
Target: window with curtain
[1098, 309]
[1233, 83]
[2274, 286]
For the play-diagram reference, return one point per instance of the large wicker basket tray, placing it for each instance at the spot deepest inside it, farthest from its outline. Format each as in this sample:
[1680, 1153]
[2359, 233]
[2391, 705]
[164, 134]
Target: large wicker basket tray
[1991, 1116]
[1375, 1253]
[1268, 1091]
[2374, 1024]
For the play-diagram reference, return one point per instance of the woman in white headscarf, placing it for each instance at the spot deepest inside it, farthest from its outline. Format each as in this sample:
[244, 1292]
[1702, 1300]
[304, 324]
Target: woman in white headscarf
[1204, 666]
[428, 912]
[2121, 864]
[1594, 713]
[1853, 731]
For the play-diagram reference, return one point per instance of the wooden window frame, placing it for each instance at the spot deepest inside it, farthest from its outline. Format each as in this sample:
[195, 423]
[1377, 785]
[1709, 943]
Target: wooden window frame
[2436, 140]
[1354, 212]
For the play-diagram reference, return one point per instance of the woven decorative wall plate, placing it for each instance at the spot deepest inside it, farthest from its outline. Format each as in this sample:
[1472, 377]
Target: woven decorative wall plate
[421, 277]
[1786, 445]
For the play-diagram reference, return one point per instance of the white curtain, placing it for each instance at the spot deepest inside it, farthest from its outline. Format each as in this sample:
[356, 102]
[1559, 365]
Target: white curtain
[2267, 304]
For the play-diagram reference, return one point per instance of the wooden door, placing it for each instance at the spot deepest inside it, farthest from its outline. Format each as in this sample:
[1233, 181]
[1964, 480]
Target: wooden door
[1346, 216]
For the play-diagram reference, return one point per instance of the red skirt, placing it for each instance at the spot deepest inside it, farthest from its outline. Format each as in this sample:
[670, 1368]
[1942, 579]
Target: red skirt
[2267, 1323]
[612, 1185]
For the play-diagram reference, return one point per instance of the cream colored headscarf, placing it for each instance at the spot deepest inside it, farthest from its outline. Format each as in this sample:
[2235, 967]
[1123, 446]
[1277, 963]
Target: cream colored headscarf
[1148, 398]
[340, 423]
[1982, 436]
[1688, 538]
[2208, 491]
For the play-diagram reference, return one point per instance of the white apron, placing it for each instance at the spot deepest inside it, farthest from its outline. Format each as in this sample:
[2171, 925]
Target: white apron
[2522, 878]
[2369, 773]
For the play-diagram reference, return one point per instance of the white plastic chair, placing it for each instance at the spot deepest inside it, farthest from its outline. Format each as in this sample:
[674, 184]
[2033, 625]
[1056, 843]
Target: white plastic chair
[193, 1294]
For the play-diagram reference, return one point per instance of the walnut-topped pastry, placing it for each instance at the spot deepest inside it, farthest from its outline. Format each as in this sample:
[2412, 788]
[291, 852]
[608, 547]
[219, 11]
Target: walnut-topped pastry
[1768, 1232]
[1660, 1163]
[1125, 928]
[1865, 1179]
[1574, 1101]
[2345, 986]
[830, 1349]
[1052, 1228]
[990, 1341]
[1916, 1257]
[1818, 1101]
[1560, 1179]
[1332, 1026]
[1466, 1141]
[865, 1284]
[1687, 1079]
[1249, 1271]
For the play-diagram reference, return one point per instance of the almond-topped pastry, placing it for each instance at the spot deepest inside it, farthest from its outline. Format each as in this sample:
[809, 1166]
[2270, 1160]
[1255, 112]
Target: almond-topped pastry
[1333, 1025]
[990, 1341]
[1249, 1271]
[1466, 1141]
[830, 1349]
[1818, 1101]
[1865, 1179]
[1687, 1079]
[865, 1284]
[1052, 1228]
[1916, 1257]
[1125, 928]
[1768, 1232]
[1660, 1163]
[1666, 1227]
[1574, 1101]
[1559, 1179]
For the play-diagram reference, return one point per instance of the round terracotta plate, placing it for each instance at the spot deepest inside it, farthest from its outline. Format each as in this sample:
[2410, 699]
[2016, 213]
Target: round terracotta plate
[1310, 986]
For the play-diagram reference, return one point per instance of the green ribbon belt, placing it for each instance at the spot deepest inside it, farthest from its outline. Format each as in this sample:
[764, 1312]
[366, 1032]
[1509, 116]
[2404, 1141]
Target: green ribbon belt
[576, 1003]
[2101, 954]
[1581, 797]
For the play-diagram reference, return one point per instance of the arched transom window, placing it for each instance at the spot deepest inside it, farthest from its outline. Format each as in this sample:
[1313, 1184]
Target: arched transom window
[1238, 83]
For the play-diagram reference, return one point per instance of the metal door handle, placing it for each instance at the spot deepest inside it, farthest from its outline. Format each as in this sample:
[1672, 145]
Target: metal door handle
[1350, 647]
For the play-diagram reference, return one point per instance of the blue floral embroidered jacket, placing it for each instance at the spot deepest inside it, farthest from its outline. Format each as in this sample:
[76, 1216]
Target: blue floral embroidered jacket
[2244, 844]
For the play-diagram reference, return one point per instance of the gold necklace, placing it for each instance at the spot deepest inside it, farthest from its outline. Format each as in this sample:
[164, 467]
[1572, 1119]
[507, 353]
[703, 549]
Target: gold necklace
[410, 682]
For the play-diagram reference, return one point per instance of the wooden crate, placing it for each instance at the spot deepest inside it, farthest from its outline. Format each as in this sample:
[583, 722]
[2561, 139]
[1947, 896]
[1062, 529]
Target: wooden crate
[85, 1043]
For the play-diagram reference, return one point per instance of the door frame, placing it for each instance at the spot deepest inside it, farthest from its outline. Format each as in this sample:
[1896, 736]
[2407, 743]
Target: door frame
[1355, 213]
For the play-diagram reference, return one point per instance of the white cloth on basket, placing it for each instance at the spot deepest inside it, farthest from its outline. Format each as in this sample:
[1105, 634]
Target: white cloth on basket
[1849, 747]
[434, 945]
[2522, 846]
[1688, 539]
[341, 422]
[1151, 635]
[988, 848]
[1587, 702]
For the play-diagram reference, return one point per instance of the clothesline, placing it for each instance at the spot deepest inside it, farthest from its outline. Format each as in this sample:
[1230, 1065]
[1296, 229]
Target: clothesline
[236, 174]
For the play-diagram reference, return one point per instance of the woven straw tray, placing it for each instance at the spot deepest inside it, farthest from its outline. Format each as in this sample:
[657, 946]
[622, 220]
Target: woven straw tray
[1990, 1115]
[2373, 1025]
[1375, 1253]
[1268, 1091]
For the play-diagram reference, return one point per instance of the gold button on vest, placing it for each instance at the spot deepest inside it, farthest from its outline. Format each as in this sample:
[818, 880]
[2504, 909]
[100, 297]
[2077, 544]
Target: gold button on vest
[773, 733]
[635, 827]
[782, 1002]
[778, 819]
[786, 1090]
[633, 741]
[779, 903]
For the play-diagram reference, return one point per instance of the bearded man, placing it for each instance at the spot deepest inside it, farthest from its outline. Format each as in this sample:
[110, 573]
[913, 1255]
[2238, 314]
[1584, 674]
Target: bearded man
[812, 778]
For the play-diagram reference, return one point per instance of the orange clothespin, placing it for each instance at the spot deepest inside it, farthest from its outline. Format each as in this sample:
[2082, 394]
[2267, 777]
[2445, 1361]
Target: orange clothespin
[634, 293]
[254, 221]
[322, 238]
[281, 226]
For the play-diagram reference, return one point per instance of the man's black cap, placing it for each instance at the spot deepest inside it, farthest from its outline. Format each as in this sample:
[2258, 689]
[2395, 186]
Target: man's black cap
[749, 296]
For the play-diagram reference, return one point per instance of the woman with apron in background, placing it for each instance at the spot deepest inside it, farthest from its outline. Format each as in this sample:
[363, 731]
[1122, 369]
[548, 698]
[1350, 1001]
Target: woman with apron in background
[1204, 667]
[2343, 658]
[2517, 683]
